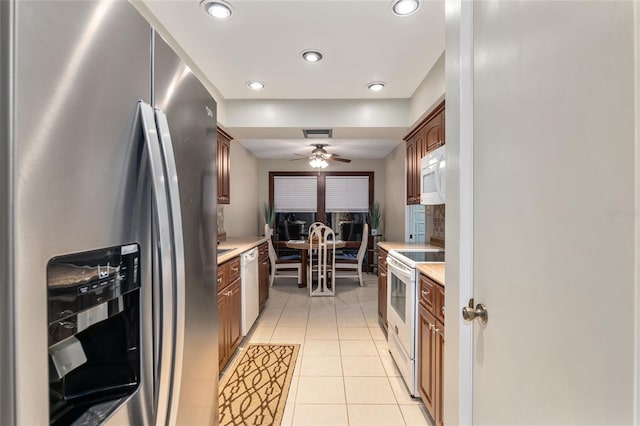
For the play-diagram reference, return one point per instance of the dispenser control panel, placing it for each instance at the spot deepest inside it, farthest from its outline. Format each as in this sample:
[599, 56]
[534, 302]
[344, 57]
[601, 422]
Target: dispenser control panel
[85, 288]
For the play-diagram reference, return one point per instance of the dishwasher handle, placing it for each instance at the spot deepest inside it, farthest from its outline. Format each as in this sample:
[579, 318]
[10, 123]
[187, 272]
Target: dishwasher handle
[250, 256]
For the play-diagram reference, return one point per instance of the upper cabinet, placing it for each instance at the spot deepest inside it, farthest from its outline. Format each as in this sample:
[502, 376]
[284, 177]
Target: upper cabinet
[223, 164]
[425, 137]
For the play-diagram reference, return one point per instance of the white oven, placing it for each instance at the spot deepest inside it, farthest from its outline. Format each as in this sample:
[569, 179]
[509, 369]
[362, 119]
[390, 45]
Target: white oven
[402, 302]
[401, 317]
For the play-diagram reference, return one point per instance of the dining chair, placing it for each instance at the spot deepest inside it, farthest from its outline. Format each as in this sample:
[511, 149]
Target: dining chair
[345, 263]
[322, 264]
[283, 263]
[313, 226]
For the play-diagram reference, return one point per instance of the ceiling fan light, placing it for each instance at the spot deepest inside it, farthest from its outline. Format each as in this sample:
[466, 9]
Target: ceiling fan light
[318, 163]
[218, 8]
[404, 7]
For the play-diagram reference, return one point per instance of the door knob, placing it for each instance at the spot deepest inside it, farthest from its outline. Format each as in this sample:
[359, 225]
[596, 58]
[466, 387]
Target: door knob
[469, 313]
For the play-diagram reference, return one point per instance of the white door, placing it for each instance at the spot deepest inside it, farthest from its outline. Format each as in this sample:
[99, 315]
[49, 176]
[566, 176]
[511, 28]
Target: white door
[415, 223]
[553, 212]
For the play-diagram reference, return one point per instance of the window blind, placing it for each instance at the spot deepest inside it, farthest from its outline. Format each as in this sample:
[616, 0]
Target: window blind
[347, 194]
[295, 193]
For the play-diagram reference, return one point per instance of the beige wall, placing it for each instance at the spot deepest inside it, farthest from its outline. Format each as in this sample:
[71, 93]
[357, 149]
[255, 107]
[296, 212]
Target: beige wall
[375, 166]
[242, 216]
[395, 194]
[430, 92]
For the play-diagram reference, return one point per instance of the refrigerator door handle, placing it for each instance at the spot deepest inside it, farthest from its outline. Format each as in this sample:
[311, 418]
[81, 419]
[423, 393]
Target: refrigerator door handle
[178, 290]
[163, 341]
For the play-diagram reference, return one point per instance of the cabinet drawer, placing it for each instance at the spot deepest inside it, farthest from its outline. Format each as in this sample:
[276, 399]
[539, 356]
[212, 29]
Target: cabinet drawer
[234, 269]
[263, 251]
[222, 280]
[427, 294]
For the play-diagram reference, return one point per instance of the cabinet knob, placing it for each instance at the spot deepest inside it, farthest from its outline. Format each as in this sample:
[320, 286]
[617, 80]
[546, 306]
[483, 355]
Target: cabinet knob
[425, 293]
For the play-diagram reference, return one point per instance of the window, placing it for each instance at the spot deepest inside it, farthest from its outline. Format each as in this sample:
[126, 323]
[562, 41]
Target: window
[346, 194]
[346, 204]
[339, 199]
[295, 194]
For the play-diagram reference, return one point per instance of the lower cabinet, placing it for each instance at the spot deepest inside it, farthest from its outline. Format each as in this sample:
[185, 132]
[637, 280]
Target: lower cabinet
[263, 275]
[382, 288]
[229, 312]
[431, 348]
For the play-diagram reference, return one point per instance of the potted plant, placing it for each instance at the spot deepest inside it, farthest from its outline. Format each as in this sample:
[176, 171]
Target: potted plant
[375, 217]
[269, 215]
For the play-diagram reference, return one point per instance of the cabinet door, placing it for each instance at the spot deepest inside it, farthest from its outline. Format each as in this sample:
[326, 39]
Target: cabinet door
[382, 287]
[223, 328]
[413, 170]
[433, 132]
[427, 360]
[382, 296]
[263, 282]
[439, 370]
[223, 164]
[235, 316]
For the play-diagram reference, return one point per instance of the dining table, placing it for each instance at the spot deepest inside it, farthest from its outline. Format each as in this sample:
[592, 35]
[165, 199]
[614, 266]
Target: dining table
[304, 246]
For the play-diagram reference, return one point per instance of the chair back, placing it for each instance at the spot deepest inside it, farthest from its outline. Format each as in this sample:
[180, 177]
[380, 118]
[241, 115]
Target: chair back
[313, 226]
[293, 230]
[272, 251]
[363, 246]
[322, 240]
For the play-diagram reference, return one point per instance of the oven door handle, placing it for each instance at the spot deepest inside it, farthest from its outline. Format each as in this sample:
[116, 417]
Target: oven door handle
[399, 268]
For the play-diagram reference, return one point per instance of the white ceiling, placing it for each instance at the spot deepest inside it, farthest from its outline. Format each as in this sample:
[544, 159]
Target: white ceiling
[362, 41]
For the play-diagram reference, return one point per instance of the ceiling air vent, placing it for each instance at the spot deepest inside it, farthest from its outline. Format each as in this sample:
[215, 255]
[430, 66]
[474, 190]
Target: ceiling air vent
[317, 133]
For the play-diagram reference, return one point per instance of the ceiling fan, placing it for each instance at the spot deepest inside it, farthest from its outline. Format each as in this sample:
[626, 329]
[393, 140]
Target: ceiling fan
[319, 156]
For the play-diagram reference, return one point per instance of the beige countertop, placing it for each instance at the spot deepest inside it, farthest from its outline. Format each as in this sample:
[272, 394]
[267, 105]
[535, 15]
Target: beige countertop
[395, 245]
[435, 271]
[239, 246]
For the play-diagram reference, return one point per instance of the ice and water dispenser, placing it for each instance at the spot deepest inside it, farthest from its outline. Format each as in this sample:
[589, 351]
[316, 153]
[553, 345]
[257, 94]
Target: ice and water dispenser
[94, 333]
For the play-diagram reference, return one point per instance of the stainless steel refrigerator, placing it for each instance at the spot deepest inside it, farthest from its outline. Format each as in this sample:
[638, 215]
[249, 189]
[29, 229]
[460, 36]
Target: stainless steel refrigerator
[107, 221]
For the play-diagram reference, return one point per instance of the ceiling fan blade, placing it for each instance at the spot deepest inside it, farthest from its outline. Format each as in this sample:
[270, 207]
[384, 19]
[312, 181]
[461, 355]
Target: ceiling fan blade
[340, 159]
[298, 159]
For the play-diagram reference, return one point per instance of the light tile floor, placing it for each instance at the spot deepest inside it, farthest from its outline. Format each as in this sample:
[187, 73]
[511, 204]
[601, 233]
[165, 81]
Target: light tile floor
[344, 374]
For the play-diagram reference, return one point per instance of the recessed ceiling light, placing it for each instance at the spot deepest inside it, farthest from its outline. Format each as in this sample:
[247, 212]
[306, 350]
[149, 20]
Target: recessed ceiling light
[404, 7]
[255, 85]
[376, 86]
[312, 55]
[217, 8]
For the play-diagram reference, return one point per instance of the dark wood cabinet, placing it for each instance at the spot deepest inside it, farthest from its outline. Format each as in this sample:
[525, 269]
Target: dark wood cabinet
[434, 133]
[382, 288]
[431, 346]
[412, 173]
[426, 136]
[224, 167]
[427, 357]
[229, 310]
[263, 275]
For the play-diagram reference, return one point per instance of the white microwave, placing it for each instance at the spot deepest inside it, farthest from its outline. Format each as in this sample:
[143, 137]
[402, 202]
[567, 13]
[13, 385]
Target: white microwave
[432, 180]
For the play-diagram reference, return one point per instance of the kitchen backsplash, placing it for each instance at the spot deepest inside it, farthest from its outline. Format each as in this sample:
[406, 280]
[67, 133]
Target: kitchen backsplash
[437, 215]
[438, 220]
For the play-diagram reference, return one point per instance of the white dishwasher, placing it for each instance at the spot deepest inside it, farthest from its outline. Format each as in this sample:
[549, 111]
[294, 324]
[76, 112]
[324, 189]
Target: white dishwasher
[249, 292]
